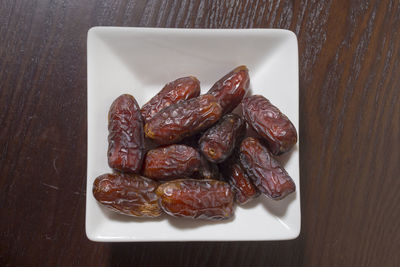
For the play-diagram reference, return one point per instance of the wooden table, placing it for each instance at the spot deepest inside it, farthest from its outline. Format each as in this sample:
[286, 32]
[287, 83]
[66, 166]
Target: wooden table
[349, 131]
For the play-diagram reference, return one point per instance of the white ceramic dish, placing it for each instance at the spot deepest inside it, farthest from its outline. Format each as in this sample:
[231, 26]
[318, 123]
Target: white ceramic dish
[139, 61]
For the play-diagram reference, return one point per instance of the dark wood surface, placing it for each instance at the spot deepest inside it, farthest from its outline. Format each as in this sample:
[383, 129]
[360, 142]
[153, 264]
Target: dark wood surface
[349, 131]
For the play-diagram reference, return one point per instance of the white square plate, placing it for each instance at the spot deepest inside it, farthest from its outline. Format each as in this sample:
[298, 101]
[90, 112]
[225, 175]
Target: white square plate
[139, 61]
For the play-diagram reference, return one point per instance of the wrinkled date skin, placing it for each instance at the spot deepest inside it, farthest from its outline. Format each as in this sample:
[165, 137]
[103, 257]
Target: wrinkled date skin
[240, 183]
[192, 140]
[132, 195]
[230, 89]
[270, 123]
[197, 199]
[208, 170]
[183, 119]
[180, 89]
[266, 173]
[170, 162]
[219, 141]
[125, 138]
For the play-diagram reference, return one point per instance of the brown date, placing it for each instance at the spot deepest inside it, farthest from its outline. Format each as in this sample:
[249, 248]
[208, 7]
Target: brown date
[270, 123]
[170, 162]
[183, 119]
[218, 142]
[197, 199]
[132, 195]
[266, 173]
[180, 89]
[208, 170]
[240, 183]
[125, 138]
[230, 89]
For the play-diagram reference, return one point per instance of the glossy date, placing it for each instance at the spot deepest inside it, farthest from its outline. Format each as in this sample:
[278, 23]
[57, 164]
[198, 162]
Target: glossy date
[241, 184]
[270, 123]
[208, 170]
[266, 173]
[219, 141]
[197, 199]
[171, 162]
[125, 138]
[180, 89]
[183, 119]
[132, 195]
[230, 89]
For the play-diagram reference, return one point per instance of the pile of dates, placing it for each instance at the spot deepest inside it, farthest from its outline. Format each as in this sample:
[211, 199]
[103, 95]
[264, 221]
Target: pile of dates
[201, 161]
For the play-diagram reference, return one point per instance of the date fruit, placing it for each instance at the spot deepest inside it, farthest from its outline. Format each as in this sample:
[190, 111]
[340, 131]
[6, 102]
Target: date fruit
[266, 173]
[125, 138]
[208, 170]
[270, 123]
[132, 195]
[219, 141]
[240, 183]
[197, 199]
[170, 162]
[183, 119]
[230, 89]
[180, 89]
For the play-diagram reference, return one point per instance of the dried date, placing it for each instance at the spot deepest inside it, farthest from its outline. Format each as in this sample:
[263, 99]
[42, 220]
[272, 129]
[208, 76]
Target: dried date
[125, 138]
[266, 173]
[183, 119]
[218, 142]
[170, 162]
[192, 140]
[270, 123]
[197, 199]
[132, 195]
[180, 89]
[208, 170]
[240, 183]
[230, 89]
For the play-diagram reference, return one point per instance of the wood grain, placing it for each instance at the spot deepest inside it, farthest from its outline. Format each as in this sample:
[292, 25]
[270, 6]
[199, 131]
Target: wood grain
[349, 131]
